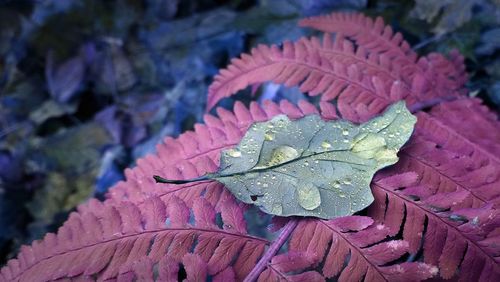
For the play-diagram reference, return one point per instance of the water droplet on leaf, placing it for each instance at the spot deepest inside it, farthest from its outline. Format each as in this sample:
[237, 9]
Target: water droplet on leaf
[234, 153]
[282, 154]
[268, 136]
[277, 208]
[308, 196]
[326, 145]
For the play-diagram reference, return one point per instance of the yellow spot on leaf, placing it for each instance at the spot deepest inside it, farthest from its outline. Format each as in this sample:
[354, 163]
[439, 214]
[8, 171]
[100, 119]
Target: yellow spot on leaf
[367, 145]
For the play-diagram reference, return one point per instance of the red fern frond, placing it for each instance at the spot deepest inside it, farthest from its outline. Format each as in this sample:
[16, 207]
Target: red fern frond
[295, 64]
[337, 71]
[299, 64]
[107, 241]
[364, 77]
[453, 240]
[333, 242]
[451, 156]
[373, 35]
[378, 38]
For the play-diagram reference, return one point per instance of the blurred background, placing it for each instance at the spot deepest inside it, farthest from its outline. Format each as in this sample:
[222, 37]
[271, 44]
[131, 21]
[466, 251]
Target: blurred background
[87, 87]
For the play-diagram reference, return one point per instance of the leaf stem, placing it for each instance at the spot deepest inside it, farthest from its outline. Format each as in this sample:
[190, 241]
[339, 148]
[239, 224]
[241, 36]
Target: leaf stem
[273, 249]
[160, 179]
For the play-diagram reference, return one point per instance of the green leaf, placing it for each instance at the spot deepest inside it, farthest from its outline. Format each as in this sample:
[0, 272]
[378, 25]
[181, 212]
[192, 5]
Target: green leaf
[311, 167]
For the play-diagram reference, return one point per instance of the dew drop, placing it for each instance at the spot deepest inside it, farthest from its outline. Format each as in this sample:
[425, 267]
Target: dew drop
[234, 153]
[265, 185]
[308, 196]
[281, 155]
[268, 136]
[345, 132]
[326, 145]
[277, 209]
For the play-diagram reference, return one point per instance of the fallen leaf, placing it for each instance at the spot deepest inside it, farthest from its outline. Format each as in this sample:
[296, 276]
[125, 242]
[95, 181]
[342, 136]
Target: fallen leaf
[312, 167]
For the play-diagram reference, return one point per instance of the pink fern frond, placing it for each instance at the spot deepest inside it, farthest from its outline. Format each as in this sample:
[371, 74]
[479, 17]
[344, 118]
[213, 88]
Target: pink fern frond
[331, 244]
[454, 157]
[377, 38]
[374, 35]
[137, 240]
[336, 69]
[295, 64]
[449, 237]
